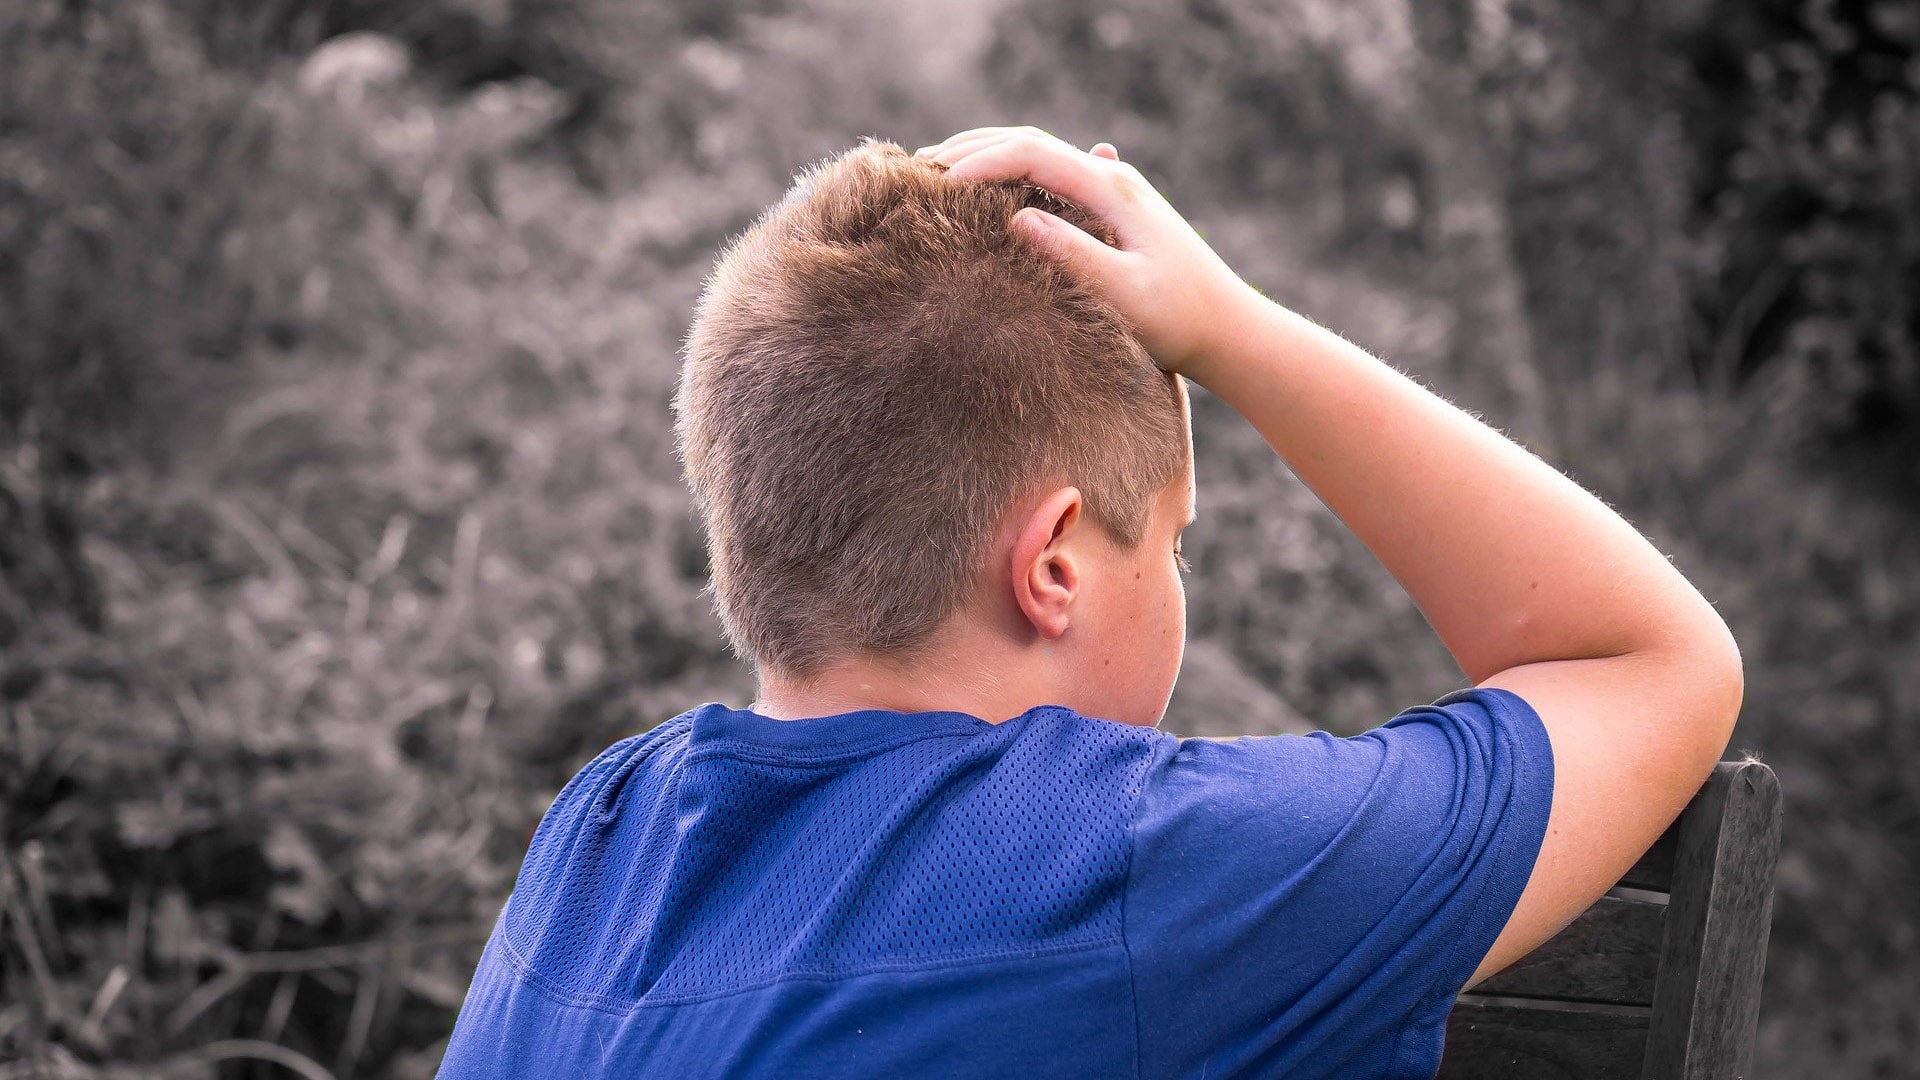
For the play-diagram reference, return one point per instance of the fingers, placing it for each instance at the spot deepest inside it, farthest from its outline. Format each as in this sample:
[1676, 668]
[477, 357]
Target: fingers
[963, 143]
[1098, 180]
[1070, 173]
[972, 142]
[958, 147]
[1059, 238]
[975, 135]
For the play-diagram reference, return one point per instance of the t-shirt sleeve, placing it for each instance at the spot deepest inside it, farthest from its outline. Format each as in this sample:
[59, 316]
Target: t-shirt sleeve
[1310, 905]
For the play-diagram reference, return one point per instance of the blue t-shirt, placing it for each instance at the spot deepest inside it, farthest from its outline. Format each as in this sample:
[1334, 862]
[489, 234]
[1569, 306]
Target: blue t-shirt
[878, 894]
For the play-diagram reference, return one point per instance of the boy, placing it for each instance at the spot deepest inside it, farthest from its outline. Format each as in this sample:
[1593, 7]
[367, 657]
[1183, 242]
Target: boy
[933, 416]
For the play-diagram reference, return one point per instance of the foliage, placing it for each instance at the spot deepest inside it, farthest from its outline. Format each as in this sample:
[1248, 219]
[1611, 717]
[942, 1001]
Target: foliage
[339, 521]
[1807, 129]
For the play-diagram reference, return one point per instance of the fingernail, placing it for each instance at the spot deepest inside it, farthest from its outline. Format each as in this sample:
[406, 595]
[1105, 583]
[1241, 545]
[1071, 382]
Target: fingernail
[924, 151]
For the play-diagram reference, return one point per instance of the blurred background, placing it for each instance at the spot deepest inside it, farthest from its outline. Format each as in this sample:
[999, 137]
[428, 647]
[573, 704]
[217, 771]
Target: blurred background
[340, 523]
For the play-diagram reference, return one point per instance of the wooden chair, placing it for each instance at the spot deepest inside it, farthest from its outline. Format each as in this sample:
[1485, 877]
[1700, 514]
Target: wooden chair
[1660, 978]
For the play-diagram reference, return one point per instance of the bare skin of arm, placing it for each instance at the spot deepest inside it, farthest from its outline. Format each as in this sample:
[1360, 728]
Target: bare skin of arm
[1533, 584]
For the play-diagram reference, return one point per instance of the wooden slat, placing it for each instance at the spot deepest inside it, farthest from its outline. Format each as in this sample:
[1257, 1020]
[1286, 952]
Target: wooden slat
[1611, 953]
[1707, 997]
[1655, 868]
[1501, 1040]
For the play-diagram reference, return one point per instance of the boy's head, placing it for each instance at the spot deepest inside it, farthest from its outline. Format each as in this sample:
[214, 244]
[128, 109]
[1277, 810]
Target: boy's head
[879, 377]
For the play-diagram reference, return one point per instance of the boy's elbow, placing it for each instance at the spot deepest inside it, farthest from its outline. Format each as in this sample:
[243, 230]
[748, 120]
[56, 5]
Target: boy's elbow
[1733, 675]
[1714, 660]
[1695, 681]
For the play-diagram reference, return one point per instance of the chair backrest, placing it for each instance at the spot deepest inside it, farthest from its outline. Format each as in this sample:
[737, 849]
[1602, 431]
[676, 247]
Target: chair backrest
[1660, 978]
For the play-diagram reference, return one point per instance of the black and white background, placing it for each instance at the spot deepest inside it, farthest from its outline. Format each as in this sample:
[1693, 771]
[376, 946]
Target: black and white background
[339, 519]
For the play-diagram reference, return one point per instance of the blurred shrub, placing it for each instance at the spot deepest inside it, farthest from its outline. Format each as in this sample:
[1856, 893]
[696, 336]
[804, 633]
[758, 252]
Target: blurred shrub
[621, 69]
[110, 249]
[1805, 127]
[341, 526]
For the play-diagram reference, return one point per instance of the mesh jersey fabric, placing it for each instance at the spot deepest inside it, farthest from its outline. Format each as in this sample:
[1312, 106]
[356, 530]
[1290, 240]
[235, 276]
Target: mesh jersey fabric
[885, 894]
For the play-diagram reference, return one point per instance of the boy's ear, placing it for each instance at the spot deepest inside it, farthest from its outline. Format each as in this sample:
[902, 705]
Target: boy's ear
[1045, 566]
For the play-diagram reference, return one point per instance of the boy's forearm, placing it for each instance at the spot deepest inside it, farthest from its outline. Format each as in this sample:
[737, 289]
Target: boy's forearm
[1510, 561]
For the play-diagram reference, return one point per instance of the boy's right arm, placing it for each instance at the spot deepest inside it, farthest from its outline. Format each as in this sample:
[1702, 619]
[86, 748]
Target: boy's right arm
[1532, 584]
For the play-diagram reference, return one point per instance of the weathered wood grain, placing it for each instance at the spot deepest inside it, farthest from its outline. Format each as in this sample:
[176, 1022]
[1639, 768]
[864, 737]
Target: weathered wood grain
[1611, 953]
[1655, 868]
[1501, 1040]
[1707, 997]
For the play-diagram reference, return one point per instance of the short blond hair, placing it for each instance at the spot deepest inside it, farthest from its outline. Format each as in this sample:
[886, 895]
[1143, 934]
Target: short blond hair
[878, 368]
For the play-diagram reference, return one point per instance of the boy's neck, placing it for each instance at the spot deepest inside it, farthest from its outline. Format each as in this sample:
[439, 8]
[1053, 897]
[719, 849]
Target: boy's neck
[976, 676]
[851, 691]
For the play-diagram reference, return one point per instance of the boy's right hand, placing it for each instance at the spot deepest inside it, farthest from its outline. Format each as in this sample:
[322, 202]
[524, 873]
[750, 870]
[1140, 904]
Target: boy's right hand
[1180, 297]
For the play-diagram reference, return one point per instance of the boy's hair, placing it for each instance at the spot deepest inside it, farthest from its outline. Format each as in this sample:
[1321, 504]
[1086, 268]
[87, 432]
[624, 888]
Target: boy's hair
[877, 369]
